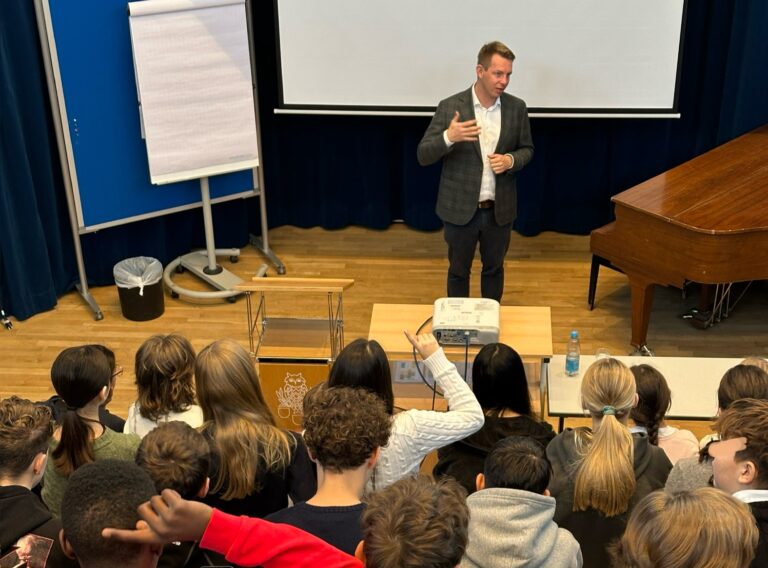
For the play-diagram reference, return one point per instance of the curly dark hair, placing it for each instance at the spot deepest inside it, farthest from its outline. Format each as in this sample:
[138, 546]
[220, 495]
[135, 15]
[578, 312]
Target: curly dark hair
[343, 426]
[104, 493]
[25, 429]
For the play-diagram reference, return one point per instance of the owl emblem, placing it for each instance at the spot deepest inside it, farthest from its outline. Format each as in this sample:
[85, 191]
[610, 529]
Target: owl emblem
[290, 397]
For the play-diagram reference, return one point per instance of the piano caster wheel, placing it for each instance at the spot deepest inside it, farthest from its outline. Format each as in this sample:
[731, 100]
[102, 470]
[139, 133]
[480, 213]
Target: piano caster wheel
[642, 351]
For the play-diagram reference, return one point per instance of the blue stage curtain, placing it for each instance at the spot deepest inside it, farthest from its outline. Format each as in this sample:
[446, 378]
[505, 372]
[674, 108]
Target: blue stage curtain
[37, 262]
[338, 171]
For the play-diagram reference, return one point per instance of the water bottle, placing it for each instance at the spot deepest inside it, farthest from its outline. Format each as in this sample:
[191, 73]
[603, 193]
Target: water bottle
[572, 355]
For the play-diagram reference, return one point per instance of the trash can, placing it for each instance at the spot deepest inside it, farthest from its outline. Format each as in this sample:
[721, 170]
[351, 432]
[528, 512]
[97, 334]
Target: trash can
[140, 287]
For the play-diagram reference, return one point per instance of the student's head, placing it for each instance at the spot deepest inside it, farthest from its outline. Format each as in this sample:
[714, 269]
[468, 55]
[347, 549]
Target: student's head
[760, 362]
[605, 479]
[241, 426]
[81, 376]
[703, 528]
[741, 455]
[516, 462]
[742, 381]
[115, 370]
[498, 380]
[165, 366]
[227, 383]
[415, 523]
[363, 363]
[654, 400]
[493, 48]
[344, 427]
[176, 456]
[105, 493]
[25, 429]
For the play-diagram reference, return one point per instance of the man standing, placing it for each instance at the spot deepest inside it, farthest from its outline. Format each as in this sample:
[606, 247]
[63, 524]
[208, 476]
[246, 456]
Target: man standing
[484, 138]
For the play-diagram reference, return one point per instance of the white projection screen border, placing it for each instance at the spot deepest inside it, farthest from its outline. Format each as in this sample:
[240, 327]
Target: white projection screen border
[573, 57]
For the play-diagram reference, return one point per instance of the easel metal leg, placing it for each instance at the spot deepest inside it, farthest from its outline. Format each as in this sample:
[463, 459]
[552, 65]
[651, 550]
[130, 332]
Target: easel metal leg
[257, 243]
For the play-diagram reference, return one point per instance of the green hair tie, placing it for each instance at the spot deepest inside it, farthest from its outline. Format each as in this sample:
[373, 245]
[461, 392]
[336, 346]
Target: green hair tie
[608, 409]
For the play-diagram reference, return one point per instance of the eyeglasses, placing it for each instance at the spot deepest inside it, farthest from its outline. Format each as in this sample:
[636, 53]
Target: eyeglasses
[118, 372]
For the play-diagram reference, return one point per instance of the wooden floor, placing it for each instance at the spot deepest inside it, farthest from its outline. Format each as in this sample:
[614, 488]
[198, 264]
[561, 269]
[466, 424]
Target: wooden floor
[398, 265]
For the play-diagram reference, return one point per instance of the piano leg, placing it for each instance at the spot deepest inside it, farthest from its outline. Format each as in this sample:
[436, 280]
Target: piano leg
[642, 300]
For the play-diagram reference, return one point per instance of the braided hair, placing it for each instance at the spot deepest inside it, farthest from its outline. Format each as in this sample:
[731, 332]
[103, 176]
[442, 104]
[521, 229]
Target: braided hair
[655, 399]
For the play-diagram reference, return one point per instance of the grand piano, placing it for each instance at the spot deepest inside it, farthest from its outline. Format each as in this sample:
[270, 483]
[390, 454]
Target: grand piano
[704, 221]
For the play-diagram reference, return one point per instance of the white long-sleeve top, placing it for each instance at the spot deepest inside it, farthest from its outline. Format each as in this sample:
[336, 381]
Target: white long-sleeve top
[415, 433]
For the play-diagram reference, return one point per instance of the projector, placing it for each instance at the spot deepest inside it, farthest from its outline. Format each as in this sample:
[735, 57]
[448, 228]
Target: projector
[457, 319]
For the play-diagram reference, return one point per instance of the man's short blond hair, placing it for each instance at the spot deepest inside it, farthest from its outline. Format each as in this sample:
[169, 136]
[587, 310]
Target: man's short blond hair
[487, 52]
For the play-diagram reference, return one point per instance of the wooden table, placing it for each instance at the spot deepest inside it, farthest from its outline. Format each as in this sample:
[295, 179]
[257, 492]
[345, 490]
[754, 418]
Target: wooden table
[527, 329]
[692, 380]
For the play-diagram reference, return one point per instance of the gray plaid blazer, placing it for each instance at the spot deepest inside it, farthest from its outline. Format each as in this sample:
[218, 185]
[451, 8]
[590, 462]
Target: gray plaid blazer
[459, 189]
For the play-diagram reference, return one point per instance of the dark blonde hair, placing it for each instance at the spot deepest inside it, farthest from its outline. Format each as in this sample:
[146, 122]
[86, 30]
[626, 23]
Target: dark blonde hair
[703, 528]
[78, 375]
[605, 478]
[416, 523]
[176, 456]
[165, 366]
[243, 432]
[25, 430]
[759, 362]
[487, 52]
[343, 426]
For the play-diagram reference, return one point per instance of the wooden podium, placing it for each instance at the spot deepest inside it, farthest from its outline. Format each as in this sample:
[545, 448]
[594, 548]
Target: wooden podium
[526, 329]
[293, 354]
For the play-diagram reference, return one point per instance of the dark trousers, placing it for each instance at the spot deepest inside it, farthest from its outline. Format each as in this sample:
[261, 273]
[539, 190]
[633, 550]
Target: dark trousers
[462, 241]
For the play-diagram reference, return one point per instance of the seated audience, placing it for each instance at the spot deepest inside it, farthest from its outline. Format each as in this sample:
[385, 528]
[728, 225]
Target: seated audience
[165, 367]
[112, 421]
[255, 466]
[414, 523]
[415, 433]
[344, 429]
[82, 377]
[499, 383]
[104, 494]
[655, 399]
[176, 456]
[740, 462]
[510, 515]
[29, 535]
[741, 381]
[599, 474]
[703, 528]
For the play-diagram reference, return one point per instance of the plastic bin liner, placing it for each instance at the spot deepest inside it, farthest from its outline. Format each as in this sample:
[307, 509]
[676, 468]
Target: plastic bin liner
[138, 272]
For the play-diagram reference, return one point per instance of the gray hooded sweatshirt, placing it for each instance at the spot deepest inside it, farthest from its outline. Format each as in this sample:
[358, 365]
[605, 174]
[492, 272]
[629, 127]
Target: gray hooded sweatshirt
[512, 528]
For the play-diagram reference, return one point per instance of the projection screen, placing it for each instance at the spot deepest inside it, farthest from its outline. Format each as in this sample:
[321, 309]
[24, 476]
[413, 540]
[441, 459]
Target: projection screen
[573, 57]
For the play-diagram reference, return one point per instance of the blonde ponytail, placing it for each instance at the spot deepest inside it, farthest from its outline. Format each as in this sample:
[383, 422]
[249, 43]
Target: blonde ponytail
[605, 479]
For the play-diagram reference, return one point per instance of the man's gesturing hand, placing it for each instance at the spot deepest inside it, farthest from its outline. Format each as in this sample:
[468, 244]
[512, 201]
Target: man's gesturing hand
[500, 163]
[467, 131]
